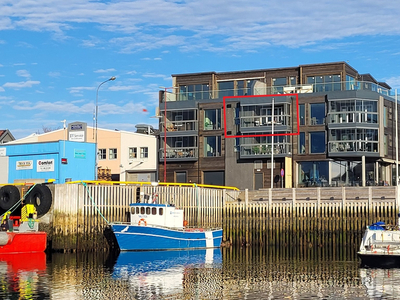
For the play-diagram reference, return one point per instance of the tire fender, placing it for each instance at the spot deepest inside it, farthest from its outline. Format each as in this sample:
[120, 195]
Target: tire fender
[40, 196]
[9, 196]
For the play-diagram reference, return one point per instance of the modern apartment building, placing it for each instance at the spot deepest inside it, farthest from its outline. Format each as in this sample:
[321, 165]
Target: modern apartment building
[331, 126]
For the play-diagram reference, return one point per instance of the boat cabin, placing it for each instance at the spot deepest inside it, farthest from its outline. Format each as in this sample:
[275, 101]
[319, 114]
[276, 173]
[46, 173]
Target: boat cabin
[149, 214]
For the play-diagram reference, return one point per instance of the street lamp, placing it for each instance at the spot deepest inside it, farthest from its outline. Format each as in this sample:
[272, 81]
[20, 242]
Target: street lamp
[97, 109]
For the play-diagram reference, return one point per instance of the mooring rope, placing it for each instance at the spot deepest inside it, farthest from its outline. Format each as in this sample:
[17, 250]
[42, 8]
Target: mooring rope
[14, 207]
[94, 204]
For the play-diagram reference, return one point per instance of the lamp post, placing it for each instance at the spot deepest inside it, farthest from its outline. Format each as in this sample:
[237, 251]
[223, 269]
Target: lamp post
[97, 109]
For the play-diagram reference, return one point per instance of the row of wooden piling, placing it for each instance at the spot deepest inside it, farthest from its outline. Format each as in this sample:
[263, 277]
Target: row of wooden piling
[81, 213]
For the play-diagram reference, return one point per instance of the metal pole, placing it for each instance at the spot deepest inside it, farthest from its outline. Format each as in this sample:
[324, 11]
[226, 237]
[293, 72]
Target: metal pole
[97, 108]
[272, 146]
[165, 135]
[397, 141]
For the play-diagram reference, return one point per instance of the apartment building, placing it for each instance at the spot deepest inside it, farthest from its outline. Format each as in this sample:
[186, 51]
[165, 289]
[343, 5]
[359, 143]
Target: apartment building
[311, 125]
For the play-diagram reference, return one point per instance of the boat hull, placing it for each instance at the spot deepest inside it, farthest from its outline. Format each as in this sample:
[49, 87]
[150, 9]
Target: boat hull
[369, 259]
[23, 242]
[132, 237]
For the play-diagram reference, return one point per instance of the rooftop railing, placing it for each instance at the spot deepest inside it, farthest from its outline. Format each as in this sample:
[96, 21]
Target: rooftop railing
[287, 89]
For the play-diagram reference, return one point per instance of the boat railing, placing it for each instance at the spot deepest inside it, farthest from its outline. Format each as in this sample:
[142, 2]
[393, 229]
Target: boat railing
[185, 228]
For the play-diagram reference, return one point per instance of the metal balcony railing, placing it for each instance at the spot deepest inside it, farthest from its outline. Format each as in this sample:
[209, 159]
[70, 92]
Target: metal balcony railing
[179, 153]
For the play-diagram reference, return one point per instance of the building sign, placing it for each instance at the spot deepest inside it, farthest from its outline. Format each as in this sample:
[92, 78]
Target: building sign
[45, 165]
[77, 136]
[3, 151]
[24, 165]
[79, 153]
[76, 126]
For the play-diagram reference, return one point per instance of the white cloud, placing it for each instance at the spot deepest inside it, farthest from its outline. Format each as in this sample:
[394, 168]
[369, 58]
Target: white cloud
[23, 73]
[234, 24]
[54, 74]
[105, 70]
[2, 89]
[79, 89]
[22, 84]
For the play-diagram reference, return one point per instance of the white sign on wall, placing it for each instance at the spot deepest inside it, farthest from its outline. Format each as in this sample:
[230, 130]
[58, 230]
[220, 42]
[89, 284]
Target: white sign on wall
[77, 136]
[3, 151]
[45, 165]
[24, 165]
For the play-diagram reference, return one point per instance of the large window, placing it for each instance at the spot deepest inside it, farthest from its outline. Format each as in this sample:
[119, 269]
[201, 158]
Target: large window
[278, 84]
[317, 113]
[314, 173]
[325, 83]
[212, 146]
[194, 92]
[212, 119]
[302, 143]
[317, 142]
[226, 88]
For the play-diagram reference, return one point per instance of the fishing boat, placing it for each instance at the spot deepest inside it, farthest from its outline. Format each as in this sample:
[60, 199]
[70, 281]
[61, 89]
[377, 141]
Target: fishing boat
[380, 246]
[22, 235]
[155, 226]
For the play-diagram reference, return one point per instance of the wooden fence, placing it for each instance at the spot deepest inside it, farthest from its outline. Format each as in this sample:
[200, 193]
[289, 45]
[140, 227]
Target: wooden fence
[81, 213]
[305, 217]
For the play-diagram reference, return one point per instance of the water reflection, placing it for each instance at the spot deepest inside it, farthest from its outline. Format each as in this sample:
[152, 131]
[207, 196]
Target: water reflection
[162, 273]
[20, 276]
[381, 283]
[227, 273]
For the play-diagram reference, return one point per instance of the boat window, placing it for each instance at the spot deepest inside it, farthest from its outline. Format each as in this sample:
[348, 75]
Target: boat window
[161, 211]
[137, 210]
[154, 211]
[147, 210]
[142, 210]
[132, 210]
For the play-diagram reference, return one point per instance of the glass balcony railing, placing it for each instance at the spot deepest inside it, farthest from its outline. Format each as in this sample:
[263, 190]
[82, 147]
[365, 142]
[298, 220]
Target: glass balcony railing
[353, 117]
[353, 146]
[287, 89]
[257, 121]
[179, 153]
[180, 126]
[265, 149]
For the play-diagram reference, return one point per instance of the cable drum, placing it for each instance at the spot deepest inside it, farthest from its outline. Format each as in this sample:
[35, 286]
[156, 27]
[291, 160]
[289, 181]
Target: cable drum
[40, 196]
[9, 196]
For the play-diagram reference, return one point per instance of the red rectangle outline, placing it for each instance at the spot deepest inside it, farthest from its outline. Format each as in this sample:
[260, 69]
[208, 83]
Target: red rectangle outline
[257, 135]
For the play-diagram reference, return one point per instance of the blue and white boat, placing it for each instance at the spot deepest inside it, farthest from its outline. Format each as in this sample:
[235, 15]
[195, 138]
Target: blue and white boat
[162, 227]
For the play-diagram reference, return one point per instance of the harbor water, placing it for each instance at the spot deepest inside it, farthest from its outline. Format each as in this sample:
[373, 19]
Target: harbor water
[227, 273]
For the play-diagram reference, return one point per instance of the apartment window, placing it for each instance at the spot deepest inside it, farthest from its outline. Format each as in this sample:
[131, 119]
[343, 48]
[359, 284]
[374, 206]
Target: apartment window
[302, 112]
[317, 113]
[132, 153]
[385, 144]
[317, 142]
[325, 83]
[102, 154]
[278, 84]
[194, 92]
[226, 88]
[144, 152]
[212, 119]
[112, 153]
[212, 146]
[385, 116]
[181, 177]
[302, 143]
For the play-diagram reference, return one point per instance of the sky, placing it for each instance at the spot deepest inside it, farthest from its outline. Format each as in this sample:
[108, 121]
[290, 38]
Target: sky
[55, 54]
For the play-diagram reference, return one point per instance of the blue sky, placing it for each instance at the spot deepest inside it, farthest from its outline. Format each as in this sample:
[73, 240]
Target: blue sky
[54, 54]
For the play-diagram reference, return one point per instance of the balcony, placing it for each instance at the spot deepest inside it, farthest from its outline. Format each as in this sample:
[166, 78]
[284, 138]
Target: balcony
[262, 89]
[179, 153]
[353, 148]
[179, 126]
[264, 121]
[265, 150]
